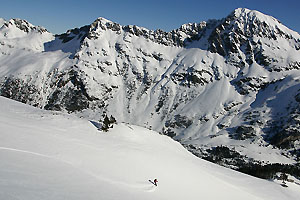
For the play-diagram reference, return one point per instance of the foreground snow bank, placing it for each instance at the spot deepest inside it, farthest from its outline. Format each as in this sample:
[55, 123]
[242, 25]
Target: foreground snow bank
[49, 155]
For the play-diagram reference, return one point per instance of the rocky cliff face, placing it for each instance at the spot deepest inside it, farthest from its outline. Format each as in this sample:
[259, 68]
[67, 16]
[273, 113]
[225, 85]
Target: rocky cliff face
[231, 82]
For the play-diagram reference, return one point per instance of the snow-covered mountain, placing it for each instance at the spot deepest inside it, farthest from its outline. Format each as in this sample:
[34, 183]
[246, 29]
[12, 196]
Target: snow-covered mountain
[50, 155]
[229, 84]
[17, 33]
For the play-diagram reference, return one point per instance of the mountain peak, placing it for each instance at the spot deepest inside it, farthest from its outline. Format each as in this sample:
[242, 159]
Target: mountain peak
[103, 20]
[245, 13]
[242, 26]
[104, 24]
[21, 34]
[18, 27]
[242, 11]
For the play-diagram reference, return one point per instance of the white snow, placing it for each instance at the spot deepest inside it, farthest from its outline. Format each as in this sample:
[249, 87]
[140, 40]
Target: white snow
[50, 155]
[11, 35]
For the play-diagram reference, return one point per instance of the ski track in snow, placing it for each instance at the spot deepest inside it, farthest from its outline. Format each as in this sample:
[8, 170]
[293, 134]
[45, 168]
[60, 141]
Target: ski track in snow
[143, 185]
[27, 152]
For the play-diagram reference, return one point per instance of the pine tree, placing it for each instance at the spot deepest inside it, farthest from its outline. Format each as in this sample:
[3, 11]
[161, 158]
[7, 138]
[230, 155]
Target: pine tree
[108, 123]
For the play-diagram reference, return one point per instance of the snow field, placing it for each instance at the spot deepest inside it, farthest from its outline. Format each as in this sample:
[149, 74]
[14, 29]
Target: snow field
[49, 155]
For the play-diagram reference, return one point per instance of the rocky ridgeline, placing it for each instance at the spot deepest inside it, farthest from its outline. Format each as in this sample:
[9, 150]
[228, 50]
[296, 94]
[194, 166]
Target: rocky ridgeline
[23, 25]
[179, 37]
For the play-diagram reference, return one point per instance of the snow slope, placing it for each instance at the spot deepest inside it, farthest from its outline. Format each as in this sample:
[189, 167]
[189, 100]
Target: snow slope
[50, 155]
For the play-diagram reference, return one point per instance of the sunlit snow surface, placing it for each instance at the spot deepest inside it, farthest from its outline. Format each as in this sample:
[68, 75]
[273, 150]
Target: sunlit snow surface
[50, 155]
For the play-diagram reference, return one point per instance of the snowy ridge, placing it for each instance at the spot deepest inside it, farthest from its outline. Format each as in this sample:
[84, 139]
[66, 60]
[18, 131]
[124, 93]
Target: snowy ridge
[44, 151]
[273, 23]
[206, 85]
[20, 33]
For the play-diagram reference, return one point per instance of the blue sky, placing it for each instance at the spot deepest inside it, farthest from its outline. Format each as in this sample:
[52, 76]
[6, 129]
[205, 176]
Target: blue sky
[60, 15]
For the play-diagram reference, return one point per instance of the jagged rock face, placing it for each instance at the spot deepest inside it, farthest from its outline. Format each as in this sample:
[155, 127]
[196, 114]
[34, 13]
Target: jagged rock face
[247, 32]
[178, 37]
[285, 130]
[204, 84]
[18, 89]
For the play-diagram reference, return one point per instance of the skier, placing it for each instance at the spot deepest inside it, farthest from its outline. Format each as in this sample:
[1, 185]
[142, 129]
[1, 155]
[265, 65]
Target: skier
[155, 182]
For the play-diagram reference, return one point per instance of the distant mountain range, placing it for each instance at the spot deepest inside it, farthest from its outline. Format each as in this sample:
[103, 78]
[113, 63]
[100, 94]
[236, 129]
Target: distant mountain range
[228, 89]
